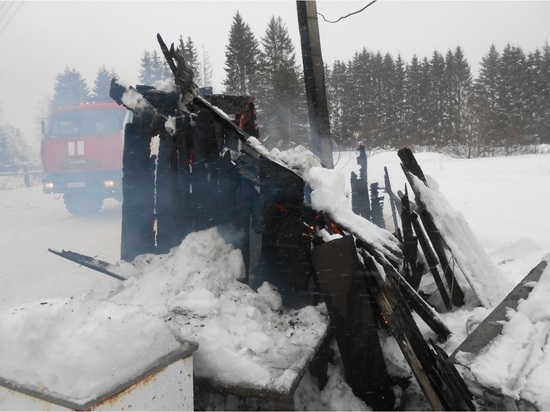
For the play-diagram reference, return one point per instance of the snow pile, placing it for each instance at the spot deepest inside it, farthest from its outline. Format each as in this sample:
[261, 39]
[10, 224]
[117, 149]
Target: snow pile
[517, 362]
[244, 335]
[79, 348]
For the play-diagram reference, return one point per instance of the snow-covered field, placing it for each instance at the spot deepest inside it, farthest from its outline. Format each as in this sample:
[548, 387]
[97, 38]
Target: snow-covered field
[505, 201]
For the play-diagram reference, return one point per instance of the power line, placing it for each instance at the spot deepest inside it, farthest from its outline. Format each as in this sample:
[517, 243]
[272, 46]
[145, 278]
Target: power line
[10, 4]
[12, 16]
[347, 15]
[3, 5]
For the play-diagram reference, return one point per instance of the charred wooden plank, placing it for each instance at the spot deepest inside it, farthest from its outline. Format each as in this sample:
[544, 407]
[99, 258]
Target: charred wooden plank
[230, 104]
[492, 325]
[138, 190]
[410, 245]
[459, 393]
[431, 259]
[403, 329]
[412, 168]
[419, 305]
[410, 164]
[421, 359]
[457, 295]
[183, 74]
[393, 206]
[353, 320]
[90, 262]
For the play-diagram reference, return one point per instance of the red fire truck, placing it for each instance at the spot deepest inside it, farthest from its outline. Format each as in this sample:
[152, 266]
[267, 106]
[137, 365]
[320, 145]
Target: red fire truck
[82, 154]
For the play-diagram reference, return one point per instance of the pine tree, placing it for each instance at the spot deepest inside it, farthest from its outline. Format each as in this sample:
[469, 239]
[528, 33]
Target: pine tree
[511, 94]
[102, 83]
[146, 71]
[241, 59]
[207, 69]
[414, 101]
[192, 59]
[486, 89]
[153, 69]
[361, 119]
[338, 92]
[376, 100]
[160, 67]
[458, 83]
[399, 103]
[534, 101]
[282, 95]
[69, 88]
[437, 100]
[543, 128]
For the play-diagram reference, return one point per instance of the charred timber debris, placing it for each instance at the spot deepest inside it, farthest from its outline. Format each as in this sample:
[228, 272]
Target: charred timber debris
[210, 171]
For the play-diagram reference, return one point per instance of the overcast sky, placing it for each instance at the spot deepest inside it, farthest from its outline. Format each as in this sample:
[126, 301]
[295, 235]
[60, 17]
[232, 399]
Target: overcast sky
[39, 39]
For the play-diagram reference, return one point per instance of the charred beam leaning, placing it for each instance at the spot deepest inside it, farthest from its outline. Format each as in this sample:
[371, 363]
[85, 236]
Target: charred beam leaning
[411, 168]
[413, 270]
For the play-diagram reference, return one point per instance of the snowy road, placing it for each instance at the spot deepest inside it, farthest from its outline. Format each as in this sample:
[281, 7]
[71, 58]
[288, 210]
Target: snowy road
[32, 222]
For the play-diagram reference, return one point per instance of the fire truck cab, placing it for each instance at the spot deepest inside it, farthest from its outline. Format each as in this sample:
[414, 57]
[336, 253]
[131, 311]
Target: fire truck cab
[81, 153]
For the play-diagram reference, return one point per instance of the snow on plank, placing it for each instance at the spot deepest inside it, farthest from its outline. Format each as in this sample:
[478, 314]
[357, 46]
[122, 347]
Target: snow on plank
[483, 276]
[509, 354]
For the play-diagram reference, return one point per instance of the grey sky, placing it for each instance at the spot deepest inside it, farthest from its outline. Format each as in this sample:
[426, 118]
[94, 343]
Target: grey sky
[44, 37]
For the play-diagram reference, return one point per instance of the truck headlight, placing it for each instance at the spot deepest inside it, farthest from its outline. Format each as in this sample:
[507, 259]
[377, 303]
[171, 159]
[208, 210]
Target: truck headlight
[109, 184]
[47, 186]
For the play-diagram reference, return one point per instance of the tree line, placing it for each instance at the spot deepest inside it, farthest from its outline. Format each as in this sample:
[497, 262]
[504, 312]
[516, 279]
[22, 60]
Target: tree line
[435, 102]
[373, 98]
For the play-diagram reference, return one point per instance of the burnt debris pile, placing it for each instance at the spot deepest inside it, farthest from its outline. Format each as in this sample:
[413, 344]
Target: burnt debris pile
[210, 170]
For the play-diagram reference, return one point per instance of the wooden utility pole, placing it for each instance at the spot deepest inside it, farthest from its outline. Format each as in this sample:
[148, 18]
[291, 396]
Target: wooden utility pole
[314, 76]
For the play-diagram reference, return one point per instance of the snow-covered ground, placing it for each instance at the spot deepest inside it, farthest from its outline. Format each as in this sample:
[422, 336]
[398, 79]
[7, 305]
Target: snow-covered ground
[504, 200]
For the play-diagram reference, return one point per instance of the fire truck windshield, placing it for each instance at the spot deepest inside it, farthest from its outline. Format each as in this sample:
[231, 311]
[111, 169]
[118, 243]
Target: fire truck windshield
[86, 123]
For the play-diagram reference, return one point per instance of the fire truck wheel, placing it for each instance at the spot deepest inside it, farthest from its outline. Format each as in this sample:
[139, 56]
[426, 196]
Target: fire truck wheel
[82, 204]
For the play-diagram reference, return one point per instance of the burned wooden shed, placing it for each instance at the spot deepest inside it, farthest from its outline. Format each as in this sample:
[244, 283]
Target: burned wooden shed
[211, 170]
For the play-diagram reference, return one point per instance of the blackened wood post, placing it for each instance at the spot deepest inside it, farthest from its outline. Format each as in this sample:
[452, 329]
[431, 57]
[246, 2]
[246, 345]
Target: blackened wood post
[182, 162]
[360, 202]
[234, 205]
[169, 209]
[314, 77]
[138, 187]
[205, 172]
[387, 188]
[430, 259]
[410, 244]
[164, 202]
[376, 206]
[284, 259]
[353, 321]
[457, 295]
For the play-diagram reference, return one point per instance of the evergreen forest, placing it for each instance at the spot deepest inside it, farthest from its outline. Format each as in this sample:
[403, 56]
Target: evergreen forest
[377, 99]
